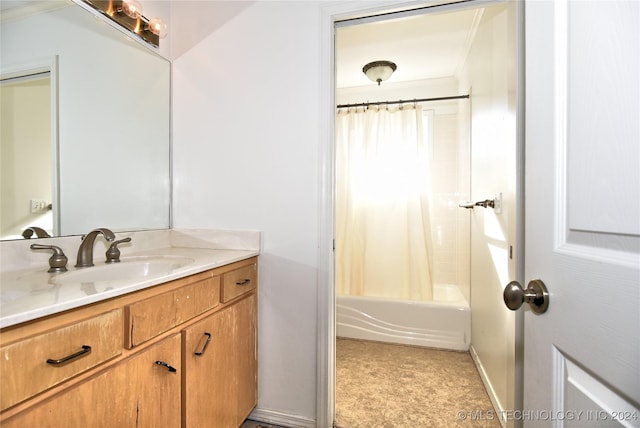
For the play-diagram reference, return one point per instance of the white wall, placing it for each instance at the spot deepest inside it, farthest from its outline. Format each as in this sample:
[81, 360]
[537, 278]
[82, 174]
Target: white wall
[246, 156]
[490, 72]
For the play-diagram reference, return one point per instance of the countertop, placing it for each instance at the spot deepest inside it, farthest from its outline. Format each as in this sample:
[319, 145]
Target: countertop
[31, 293]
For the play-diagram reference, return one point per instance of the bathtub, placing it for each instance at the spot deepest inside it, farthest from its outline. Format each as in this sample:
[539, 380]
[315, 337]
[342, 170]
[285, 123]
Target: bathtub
[443, 323]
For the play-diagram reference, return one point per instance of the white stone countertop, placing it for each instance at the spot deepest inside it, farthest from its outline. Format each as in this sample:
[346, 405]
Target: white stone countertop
[30, 293]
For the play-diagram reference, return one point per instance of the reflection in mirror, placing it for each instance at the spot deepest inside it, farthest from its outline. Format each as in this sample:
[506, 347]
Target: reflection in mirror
[106, 163]
[25, 154]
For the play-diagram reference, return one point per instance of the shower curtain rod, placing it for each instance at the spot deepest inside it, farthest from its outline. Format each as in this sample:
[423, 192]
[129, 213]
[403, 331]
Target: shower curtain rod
[420, 100]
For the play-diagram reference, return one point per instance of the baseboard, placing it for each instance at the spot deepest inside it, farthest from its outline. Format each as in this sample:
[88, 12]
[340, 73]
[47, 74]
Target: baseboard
[487, 384]
[282, 419]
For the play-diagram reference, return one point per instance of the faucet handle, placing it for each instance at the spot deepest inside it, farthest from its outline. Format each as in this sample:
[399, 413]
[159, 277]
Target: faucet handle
[58, 261]
[113, 253]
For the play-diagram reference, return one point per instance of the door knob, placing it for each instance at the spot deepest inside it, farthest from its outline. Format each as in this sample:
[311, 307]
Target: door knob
[536, 295]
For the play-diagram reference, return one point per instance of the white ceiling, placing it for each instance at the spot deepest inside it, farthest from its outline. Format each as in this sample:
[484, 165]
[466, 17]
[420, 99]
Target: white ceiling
[426, 46]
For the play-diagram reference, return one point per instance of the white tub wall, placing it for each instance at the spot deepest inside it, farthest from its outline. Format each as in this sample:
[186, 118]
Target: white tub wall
[450, 236]
[463, 232]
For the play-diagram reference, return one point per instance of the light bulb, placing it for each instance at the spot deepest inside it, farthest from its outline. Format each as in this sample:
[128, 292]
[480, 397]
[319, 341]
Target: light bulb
[158, 27]
[131, 8]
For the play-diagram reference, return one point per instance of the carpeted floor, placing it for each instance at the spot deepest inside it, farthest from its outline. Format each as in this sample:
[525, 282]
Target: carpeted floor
[384, 385]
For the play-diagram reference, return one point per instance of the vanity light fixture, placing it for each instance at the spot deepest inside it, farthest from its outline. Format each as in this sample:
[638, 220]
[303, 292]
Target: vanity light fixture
[379, 71]
[128, 14]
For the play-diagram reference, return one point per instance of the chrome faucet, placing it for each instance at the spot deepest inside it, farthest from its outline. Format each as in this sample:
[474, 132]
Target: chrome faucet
[85, 252]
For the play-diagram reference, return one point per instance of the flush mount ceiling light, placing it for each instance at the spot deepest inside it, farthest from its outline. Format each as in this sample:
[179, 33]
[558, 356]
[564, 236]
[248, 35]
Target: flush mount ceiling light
[379, 71]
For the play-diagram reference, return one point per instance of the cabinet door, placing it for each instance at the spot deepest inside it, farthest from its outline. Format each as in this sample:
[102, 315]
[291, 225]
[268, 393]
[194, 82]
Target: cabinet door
[246, 356]
[209, 384]
[135, 393]
[220, 367]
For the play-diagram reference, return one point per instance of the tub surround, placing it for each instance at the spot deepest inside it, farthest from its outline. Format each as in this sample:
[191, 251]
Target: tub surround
[26, 293]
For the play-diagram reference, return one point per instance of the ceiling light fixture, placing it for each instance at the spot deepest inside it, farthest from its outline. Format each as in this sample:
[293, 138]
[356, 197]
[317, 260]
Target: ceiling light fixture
[379, 71]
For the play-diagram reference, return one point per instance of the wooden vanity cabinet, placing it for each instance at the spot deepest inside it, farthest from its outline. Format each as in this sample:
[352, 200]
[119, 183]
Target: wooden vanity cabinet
[196, 367]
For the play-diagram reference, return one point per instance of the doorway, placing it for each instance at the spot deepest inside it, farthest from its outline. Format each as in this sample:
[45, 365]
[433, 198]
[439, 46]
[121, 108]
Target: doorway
[491, 80]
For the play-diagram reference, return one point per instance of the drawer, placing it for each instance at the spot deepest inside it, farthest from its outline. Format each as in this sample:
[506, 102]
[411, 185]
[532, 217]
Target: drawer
[239, 281]
[150, 317]
[93, 341]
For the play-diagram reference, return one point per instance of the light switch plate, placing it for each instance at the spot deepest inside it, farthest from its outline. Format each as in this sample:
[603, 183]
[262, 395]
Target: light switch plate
[38, 206]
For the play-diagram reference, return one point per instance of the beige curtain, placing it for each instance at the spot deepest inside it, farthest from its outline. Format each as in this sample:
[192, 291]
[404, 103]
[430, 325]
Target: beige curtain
[383, 235]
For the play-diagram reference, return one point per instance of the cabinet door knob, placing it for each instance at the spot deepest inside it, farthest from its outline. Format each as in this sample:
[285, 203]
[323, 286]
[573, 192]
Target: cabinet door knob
[85, 350]
[206, 343]
[168, 367]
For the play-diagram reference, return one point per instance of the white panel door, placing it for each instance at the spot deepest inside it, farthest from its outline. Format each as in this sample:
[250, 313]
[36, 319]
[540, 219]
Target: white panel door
[582, 227]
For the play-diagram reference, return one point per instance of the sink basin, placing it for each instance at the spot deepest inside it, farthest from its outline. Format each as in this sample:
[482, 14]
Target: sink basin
[134, 268]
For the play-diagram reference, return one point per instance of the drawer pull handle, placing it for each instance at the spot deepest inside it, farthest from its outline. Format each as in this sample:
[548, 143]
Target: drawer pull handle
[85, 350]
[206, 343]
[163, 364]
[243, 282]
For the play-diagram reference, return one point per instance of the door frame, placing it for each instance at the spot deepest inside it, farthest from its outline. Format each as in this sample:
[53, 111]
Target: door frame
[325, 372]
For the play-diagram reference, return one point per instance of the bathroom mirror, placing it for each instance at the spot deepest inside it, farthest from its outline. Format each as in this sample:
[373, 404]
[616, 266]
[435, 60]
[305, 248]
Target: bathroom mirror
[110, 129]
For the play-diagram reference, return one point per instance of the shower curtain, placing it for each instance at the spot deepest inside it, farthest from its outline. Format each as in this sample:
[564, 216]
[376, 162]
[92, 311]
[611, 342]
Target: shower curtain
[383, 235]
